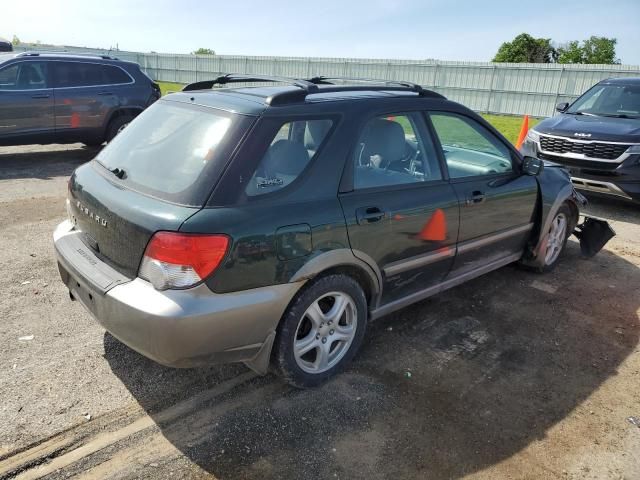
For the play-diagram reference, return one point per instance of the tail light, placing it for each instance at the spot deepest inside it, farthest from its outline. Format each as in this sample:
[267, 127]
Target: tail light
[181, 260]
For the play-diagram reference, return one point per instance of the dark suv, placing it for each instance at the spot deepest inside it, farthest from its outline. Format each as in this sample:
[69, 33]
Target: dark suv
[63, 98]
[5, 45]
[272, 223]
[597, 138]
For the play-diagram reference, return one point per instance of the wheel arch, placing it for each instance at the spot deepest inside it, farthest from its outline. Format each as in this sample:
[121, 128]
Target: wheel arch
[344, 261]
[340, 261]
[550, 201]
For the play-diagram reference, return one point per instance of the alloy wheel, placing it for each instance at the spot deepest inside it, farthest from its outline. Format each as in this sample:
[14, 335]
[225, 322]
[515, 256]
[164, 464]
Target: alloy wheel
[325, 332]
[556, 238]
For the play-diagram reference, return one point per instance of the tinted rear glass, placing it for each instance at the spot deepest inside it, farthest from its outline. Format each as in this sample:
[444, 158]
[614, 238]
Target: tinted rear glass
[78, 74]
[174, 151]
[115, 75]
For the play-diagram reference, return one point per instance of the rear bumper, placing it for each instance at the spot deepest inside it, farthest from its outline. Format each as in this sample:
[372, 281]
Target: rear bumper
[177, 328]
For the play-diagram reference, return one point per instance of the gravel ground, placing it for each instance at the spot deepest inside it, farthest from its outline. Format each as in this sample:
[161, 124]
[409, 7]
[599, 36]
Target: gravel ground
[513, 375]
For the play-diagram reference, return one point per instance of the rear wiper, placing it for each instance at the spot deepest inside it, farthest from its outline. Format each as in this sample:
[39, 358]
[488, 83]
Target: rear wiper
[119, 172]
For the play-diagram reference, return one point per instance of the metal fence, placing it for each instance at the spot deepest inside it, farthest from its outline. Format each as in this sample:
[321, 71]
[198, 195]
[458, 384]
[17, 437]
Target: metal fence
[504, 88]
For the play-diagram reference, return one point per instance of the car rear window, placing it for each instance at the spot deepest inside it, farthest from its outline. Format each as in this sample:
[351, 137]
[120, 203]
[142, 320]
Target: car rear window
[173, 151]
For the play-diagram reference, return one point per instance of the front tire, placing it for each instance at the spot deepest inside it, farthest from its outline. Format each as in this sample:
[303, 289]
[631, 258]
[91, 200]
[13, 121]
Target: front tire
[321, 331]
[557, 237]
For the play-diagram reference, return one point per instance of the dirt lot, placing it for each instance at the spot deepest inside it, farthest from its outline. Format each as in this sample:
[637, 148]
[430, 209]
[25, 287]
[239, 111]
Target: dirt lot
[513, 375]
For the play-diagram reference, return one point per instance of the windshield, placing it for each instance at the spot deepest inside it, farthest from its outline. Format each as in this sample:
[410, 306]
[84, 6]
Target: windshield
[165, 150]
[609, 101]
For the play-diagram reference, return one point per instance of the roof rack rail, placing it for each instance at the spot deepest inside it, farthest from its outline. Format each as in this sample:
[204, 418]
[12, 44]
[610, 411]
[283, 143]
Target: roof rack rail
[243, 78]
[321, 80]
[310, 86]
[70, 54]
[282, 98]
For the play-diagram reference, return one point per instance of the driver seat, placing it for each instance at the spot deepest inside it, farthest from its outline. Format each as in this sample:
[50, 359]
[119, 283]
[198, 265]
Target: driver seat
[383, 143]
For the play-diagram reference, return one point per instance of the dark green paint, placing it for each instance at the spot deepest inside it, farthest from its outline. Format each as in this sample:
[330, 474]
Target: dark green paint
[254, 259]
[131, 218]
[294, 241]
[397, 236]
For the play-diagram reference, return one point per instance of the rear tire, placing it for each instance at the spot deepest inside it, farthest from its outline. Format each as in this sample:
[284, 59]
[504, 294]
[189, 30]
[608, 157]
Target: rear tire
[117, 125]
[321, 331]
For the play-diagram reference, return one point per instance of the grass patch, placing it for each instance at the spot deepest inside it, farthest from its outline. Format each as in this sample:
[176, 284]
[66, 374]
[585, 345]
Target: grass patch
[508, 125]
[169, 87]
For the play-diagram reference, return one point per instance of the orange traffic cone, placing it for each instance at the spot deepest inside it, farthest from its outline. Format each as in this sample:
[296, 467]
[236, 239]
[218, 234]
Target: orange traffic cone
[523, 131]
[435, 229]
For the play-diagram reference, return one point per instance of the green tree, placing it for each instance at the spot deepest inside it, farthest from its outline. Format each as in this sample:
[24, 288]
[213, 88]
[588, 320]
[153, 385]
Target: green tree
[526, 49]
[570, 53]
[16, 40]
[601, 50]
[204, 51]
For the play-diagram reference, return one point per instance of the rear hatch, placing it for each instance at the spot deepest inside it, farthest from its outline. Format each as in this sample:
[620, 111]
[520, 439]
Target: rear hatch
[153, 176]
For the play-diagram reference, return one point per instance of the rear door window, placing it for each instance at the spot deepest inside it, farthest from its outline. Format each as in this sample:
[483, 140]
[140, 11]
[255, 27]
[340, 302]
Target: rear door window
[294, 145]
[78, 74]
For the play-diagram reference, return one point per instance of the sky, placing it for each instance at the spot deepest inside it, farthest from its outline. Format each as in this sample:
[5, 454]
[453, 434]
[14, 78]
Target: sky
[399, 29]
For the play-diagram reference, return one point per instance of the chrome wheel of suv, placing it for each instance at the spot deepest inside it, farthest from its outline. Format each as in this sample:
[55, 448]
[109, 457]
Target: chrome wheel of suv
[325, 332]
[556, 239]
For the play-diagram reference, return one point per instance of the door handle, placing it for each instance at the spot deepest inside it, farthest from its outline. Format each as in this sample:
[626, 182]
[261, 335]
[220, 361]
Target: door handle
[105, 93]
[40, 95]
[476, 197]
[366, 215]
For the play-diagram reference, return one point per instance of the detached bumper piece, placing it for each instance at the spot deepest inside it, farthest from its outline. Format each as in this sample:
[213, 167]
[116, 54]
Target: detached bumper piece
[593, 234]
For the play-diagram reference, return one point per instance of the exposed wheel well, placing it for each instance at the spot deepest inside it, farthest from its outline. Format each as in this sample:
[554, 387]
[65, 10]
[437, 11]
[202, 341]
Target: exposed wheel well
[357, 274]
[575, 213]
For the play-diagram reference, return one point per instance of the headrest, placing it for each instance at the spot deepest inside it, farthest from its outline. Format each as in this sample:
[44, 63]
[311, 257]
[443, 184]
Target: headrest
[384, 138]
[315, 132]
[286, 157]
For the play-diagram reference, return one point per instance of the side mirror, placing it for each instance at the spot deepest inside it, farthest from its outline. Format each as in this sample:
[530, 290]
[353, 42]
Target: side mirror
[532, 166]
[562, 106]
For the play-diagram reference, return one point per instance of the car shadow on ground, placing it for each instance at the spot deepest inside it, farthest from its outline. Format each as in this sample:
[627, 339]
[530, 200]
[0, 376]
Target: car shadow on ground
[42, 161]
[444, 388]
